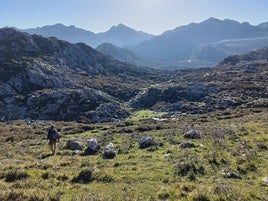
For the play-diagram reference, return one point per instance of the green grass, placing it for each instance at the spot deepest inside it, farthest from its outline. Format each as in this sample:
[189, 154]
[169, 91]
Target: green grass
[145, 114]
[238, 145]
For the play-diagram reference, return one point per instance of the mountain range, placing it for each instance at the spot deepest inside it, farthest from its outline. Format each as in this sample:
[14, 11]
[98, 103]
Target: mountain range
[192, 45]
[192, 42]
[50, 79]
[119, 35]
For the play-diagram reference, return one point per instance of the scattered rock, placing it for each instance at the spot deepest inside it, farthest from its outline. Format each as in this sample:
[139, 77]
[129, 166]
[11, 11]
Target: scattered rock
[92, 146]
[74, 145]
[264, 181]
[166, 155]
[231, 175]
[145, 142]
[192, 134]
[76, 152]
[109, 151]
[187, 144]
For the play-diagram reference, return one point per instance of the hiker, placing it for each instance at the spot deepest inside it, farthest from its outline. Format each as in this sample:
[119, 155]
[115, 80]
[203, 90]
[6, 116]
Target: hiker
[53, 137]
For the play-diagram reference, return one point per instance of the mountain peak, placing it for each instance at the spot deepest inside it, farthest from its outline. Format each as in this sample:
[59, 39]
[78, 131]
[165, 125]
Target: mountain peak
[120, 27]
[211, 20]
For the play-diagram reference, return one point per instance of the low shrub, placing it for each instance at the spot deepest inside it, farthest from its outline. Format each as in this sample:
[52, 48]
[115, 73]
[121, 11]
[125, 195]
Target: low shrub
[14, 175]
[183, 169]
[201, 197]
[85, 176]
[63, 178]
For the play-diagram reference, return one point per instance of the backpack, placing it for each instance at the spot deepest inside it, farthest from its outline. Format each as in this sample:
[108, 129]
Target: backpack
[54, 134]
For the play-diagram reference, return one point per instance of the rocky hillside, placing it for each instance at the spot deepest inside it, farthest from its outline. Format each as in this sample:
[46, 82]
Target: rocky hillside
[238, 81]
[46, 78]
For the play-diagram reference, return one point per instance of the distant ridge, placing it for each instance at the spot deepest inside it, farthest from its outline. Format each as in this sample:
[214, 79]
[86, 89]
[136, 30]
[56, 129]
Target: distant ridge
[119, 35]
[179, 44]
[193, 45]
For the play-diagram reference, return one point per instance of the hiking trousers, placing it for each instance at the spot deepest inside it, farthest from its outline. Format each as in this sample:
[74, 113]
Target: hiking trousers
[52, 144]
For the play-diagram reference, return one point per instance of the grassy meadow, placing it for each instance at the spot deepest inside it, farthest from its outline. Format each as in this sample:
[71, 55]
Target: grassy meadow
[228, 162]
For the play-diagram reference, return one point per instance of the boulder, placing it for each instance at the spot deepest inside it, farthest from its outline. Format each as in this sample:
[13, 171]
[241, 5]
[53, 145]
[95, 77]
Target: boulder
[145, 142]
[74, 144]
[187, 144]
[109, 151]
[264, 181]
[92, 146]
[192, 134]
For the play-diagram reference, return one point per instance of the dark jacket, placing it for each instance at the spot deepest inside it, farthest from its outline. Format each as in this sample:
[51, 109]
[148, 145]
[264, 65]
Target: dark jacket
[53, 134]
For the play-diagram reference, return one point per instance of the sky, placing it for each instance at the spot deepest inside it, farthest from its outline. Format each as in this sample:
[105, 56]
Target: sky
[150, 16]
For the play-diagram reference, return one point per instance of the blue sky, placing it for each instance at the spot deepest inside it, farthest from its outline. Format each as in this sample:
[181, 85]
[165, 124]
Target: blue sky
[151, 16]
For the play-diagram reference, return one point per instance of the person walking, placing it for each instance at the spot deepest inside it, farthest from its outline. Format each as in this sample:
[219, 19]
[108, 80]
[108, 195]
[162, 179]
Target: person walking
[53, 137]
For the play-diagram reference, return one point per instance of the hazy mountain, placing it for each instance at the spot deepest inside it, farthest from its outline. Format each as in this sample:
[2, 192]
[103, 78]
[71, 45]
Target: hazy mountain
[119, 35]
[47, 78]
[122, 35]
[120, 54]
[127, 56]
[180, 43]
[68, 33]
[220, 50]
[264, 26]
